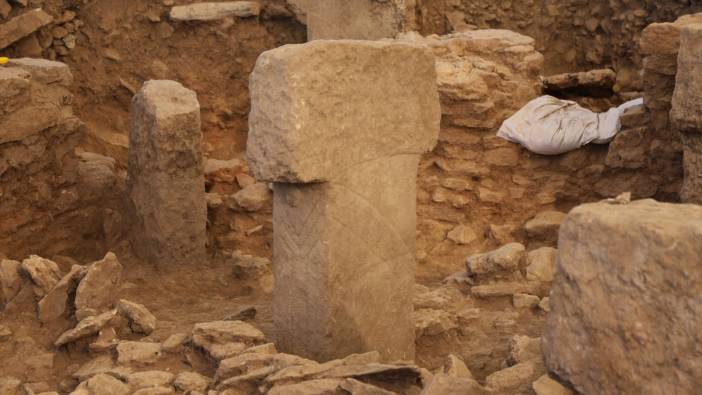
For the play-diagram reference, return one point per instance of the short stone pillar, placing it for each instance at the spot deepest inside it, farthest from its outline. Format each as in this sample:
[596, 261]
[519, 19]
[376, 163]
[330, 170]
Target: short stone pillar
[166, 182]
[358, 19]
[686, 114]
[339, 127]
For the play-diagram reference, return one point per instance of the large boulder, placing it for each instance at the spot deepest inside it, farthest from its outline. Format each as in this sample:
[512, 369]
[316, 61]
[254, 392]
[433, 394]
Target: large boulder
[626, 312]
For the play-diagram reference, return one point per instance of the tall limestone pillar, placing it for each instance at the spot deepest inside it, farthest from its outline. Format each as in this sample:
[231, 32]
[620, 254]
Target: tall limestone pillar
[166, 182]
[339, 127]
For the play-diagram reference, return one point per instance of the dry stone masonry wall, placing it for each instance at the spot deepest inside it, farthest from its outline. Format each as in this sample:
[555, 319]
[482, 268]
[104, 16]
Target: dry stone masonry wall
[48, 189]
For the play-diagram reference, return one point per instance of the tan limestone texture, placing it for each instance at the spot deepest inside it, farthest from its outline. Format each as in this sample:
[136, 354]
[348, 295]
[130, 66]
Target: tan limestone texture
[625, 304]
[342, 145]
[686, 113]
[358, 19]
[166, 182]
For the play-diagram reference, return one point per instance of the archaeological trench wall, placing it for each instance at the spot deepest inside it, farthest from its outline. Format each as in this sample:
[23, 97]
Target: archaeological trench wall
[475, 190]
[572, 34]
[54, 198]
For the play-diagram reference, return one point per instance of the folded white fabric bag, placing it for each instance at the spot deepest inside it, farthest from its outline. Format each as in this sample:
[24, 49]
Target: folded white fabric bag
[551, 126]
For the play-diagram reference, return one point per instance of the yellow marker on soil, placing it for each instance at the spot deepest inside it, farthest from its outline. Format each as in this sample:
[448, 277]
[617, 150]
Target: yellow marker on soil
[4, 60]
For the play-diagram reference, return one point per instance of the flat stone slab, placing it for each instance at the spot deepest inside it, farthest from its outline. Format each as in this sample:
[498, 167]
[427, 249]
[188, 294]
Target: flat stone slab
[215, 11]
[23, 25]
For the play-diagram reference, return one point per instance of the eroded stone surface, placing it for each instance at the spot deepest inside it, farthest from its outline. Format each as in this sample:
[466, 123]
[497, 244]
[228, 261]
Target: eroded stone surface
[358, 164]
[626, 296]
[358, 19]
[686, 114]
[166, 182]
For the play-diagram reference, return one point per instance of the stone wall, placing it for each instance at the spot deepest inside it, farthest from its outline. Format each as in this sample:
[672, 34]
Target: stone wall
[48, 189]
[572, 34]
[476, 190]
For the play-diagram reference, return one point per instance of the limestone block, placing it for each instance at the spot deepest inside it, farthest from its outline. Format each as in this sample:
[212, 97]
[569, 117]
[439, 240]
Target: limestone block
[22, 25]
[97, 290]
[166, 181]
[687, 99]
[342, 146]
[305, 129]
[625, 305]
[214, 11]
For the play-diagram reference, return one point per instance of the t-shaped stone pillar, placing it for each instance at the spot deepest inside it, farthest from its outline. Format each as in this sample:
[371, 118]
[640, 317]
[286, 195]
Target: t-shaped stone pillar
[166, 180]
[339, 127]
[686, 114]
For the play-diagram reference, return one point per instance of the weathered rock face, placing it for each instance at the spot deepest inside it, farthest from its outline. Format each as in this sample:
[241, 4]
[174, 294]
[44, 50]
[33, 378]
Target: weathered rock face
[625, 305]
[22, 26]
[166, 182]
[686, 114]
[43, 208]
[357, 163]
[358, 19]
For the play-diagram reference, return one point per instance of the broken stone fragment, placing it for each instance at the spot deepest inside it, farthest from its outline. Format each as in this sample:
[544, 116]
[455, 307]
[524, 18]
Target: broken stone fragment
[430, 322]
[54, 304]
[222, 339]
[225, 171]
[138, 353]
[191, 381]
[44, 273]
[545, 226]
[541, 263]
[149, 379]
[462, 234]
[525, 301]
[517, 378]
[140, 318]
[523, 348]
[455, 367]
[102, 364]
[253, 197]
[97, 290]
[10, 280]
[227, 331]
[317, 386]
[87, 327]
[506, 258]
[102, 384]
[501, 289]
[22, 26]
[214, 11]
[96, 174]
[597, 83]
[106, 340]
[353, 386]
[248, 362]
[5, 333]
[545, 385]
[174, 342]
[247, 313]
[443, 384]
